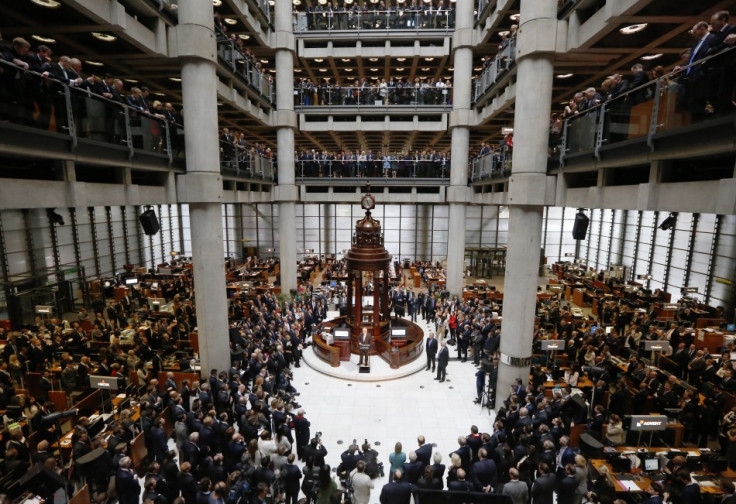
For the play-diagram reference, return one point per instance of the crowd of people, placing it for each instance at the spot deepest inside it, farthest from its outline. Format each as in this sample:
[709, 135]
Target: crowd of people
[383, 14]
[396, 91]
[364, 163]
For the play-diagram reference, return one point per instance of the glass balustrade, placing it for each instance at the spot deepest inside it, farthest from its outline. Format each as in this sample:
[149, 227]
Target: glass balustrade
[409, 18]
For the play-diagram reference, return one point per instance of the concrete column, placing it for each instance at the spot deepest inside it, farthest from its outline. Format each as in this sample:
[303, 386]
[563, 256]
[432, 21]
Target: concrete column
[201, 187]
[460, 120]
[285, 120]
[527, 184]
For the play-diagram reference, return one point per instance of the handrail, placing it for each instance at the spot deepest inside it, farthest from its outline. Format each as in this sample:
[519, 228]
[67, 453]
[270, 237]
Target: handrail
[499, 66]
[372, 96]
[371, 20]
[494, 164]
[237, 159]
[257, 79]
[391, 167]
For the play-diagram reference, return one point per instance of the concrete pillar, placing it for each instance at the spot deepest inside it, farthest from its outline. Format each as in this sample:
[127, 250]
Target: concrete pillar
[535, 47]
[460, 120]
[286, 192]
[201, 187]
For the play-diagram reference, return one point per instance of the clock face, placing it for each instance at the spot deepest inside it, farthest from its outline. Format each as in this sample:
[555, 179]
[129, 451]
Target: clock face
[368, 203]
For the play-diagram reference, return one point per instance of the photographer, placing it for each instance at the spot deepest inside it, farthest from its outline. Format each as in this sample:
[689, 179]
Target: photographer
[316, 451]
[360, 484]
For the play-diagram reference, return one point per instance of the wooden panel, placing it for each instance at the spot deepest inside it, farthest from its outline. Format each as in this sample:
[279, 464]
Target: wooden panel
[194, 341]
[81, 497]
[138, 451]
[58, 397]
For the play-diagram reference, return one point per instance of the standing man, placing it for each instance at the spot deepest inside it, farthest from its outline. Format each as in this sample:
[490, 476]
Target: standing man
[364, 345]
[362, 484]
[290, 475]
[431, 348]
[442, 361]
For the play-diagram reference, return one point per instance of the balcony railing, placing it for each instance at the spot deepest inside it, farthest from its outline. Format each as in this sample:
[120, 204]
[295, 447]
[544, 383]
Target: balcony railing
[385, 167]
[34, 100]
[240, 64]
[494, 165]
[372, 96]
[673, 101]
[500, 65]
[372, 20]
[237, 160]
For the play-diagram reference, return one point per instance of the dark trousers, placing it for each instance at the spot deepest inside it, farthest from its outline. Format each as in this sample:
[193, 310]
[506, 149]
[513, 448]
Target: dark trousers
[441, 372]
[431, 359]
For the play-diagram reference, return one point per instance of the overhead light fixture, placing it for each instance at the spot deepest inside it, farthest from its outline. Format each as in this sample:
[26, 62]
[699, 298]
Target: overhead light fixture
[451, 69]
[132, 81]
[272, 70]
[105, 37]
[374, 69]
[49, 4]
[94, 63]
[322, 2]
[503, 33]
[374, 78]
[428, 59]
[564, 76]
[634, 28]
[318, 60]
[217, 3]
[349, 2]
[400, 59]
[322, 69]
[160, 94]
[507, 130]
[244, 36]
[264, 61]
[668, 223]
[345, 59]
[348, 69]
[45, 40]
[297, 70]
[231, 21]
[515, 17]
[426, 69]
[271, 3]
[400, 69]
[297, 2]
[175, 79]
[650, 57]
[372, 59]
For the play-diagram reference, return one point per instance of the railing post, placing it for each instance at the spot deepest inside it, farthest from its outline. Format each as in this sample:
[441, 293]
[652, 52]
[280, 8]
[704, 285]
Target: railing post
[599, 131]
[563, 143]
[168, 143]
[128, 132]
[654, 119]
[71, 127]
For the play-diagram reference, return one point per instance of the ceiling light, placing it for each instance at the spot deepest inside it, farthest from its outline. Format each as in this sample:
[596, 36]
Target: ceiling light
[175, 79]
[400, 69]
[296, 2]
[348, 69]
[105, 37]
[426, 69]
[160, 94]
[400, 1]
[244, 36]
[94, 63]
[322, 69]
[217, 3]
[374, 1]
[374, 78]
[345, 59]
[515, 17]
[400, 59]
[318, 60]
[50, 4]
[374, 69]
[45, 40]
[322, 2]
[231, 21]
[272, 70]
[132, 81]
[372, 59]
[264, 61]
[271, 3]
[428, 59]
[451, 69]
[503, 33]
[564, 76]
[349, 2]
[297, 70]
[650, 57]
[478, 69]
[634, 28]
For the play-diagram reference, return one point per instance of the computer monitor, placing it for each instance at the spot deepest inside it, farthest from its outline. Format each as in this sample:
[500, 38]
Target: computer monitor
[131, 281]
[651, 464]
[333, 283]
[398, 333]
[154, 286]
[731, 327]
[341, 334]
[621, 465]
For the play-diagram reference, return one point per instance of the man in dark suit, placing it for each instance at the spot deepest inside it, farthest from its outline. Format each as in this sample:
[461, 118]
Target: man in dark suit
[290, 476]
[397, 492]
[364, 345]
[460, 484]
[544, 485]
[567, 485]
[424, 451]
[187, 482]
[412, 469]
[158, 440]
[696, 87]
[483, 473]
[301, 430]
[565, 455]
[126, 483]
[691, 491]
[191, 452]
[442, 360]
[431, 349]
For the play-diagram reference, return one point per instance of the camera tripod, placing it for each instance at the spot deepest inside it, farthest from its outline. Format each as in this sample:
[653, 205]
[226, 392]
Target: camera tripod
[489, 397]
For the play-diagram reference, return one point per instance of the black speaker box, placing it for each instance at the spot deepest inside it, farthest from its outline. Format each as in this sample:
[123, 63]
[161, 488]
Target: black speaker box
[41, 481]
[590, 446]
[97, 461]
[580, 228]
[149, 221]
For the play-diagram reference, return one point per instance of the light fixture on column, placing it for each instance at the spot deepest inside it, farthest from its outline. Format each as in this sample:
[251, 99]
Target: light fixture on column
[668, 223]
[54, 217]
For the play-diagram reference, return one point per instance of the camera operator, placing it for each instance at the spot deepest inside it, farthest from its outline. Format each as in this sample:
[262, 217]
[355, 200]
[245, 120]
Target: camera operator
[360, 484]
[316, 451]
[370, 456]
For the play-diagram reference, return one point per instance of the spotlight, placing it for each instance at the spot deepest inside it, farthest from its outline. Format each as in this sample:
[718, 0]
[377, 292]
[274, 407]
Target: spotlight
[54, 217]
[668, 223]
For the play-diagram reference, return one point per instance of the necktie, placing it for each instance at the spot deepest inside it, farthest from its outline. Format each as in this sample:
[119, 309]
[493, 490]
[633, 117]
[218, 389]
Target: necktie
[692, 56]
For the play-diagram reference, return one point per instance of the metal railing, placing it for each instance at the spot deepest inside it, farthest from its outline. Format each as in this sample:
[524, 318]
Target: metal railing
[362, 166]
[501, 64]
[241, 65]
[36, 100]
[236, 159]
[672, 101]
[373, 19]
[494, 165]
[372, 96]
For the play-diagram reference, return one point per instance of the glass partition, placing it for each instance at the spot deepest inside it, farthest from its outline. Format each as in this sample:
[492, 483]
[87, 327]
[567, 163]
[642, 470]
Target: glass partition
[369, 19]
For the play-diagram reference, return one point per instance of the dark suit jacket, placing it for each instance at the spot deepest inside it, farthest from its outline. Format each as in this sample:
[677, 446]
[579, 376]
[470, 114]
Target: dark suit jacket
[444, 358]
[431, 346]
[566, 490]
[412, 471]
[398, 492]
[188, 485]
[484, 473]
[424, 454]
[127, 486]
[290, 475]
[543, 489]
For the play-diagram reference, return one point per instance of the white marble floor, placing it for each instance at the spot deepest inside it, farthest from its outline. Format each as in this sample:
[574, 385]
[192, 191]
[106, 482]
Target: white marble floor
[389, 411]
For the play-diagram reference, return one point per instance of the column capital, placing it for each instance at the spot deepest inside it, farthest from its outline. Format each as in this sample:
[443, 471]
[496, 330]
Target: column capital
[285, 194]
[199, 187]
[283, 41]
[285, 118]
[537, 36]
[461, 118]
[193, 41]
[463, 38]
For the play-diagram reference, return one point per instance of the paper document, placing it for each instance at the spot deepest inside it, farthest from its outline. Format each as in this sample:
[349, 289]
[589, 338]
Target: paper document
[629, 485]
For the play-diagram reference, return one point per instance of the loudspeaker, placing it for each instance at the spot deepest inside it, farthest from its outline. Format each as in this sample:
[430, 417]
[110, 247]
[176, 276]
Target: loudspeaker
[41, 481]
[96, 462]
[149, 221]
[580, 227]
[590, 446]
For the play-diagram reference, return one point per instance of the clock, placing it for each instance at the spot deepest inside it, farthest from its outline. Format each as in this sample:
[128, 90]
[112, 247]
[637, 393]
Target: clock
[367, 202]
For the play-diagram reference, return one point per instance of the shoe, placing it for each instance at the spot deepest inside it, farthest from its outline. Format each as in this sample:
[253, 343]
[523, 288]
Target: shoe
[477, 401]
[426, 369]
[433, 370]
[436, 378]
[442, 380]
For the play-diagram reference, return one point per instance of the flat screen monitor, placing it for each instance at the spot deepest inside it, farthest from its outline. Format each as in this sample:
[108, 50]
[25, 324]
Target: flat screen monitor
[651, 464]
[656, 346]
[341, 334]
[552, 345]
[131, 281]
[398, 333]
[103, 382]
[154, 286]
[333, 283]
[731, 327]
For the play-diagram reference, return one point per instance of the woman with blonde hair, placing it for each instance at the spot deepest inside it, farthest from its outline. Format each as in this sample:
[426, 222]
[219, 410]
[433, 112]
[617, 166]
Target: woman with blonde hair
[581, 475]
[615, 434]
